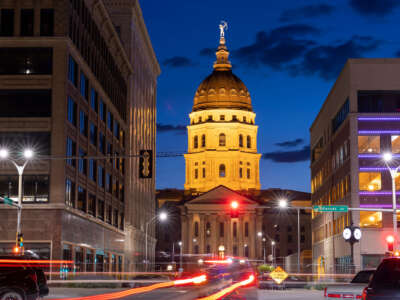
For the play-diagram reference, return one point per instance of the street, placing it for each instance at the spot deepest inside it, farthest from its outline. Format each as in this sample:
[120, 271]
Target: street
[187, 293]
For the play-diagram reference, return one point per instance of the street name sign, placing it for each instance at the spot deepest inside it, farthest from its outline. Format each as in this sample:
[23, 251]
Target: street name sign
[279, 275]
[330, 208]
[7, 201]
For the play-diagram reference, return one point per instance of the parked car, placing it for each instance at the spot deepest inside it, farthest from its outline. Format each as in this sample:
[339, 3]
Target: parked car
[41, 277]
[352, 290]
[18, 282]
[385, 284]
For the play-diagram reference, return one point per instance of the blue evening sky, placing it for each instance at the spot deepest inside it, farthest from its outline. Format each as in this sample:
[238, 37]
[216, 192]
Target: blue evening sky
[288, 53]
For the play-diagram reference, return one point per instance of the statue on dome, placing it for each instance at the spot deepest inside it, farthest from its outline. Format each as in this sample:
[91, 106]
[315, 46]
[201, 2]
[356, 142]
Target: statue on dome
[222, 26]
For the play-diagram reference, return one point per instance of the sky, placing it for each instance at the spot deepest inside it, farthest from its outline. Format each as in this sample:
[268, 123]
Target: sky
[288, 53]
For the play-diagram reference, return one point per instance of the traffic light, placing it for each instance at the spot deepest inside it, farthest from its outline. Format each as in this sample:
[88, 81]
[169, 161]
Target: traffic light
[234, 209]
[390, 242]
[20, 240]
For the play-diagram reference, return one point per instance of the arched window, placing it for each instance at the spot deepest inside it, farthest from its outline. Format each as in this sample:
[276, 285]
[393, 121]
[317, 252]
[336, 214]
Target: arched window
[222, 171]
[248, 141]
[240, 140]
[222, 139]
[196, 229]
[195, 141]
[203, 140]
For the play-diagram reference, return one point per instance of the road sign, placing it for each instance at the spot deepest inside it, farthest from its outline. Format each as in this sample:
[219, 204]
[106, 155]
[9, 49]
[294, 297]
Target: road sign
[7, 201]
[279, 275]
[330, 208]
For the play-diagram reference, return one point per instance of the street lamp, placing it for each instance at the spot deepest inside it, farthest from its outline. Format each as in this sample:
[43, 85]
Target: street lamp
[388, 157]
[283, 203]
[180, 257]
[273, 251]
[162, 216]
[28, 154]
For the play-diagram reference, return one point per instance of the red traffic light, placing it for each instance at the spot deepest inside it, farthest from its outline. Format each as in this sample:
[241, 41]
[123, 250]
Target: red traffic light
[234, 204]
[390, 242]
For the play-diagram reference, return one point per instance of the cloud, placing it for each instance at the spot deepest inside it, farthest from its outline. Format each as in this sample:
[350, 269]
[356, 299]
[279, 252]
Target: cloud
[378, 8]
[277, 47]
[327, 61]
[178, 129]
[208, 52]
[178, 62]
[307, 11]
[288, 156]
[292, 143]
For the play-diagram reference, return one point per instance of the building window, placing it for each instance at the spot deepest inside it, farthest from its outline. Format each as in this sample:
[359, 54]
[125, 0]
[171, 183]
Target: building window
[369, 181]
[72, 71]
[92, 169]
[81, 199]
[71, 112]
[25, 61]
[102, 146]
[115, 219]
[240, 140]
[26, 24]
[92, 205]
[93, 134]
[108, 182]
[69, 193]
[196, 229]
[203, 140]
[222, 117]
[369, 144]
[234, 229]
[235, 252]
[196, 249]
[204, 172]
[302, 238]
[208, 229]
[289, 229]
[102, 110]
[47, 22]
[246, 251]
[234, 118]
[222, 140]
[370, 219]
[208, 249]
[100, 210]
[277, 238]
[82, 162]
[83, 121]
[6, 22]
[195, 142]
[109, 214]
[100, 176]
[248, 141]
[248, 173]
[93, 99]
[70, 151]
[244, 119]
[221, 229]
[116, 129]
[196, 173]
[289, 238]
[84, 86]
[395, 143]
[240, 172]
[222, 171]
[109, 120]
[246, 229]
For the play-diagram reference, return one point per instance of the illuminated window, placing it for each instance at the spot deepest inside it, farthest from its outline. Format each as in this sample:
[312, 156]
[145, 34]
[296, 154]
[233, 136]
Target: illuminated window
[222, 171]
[196, 142]
[395, 143]
[222, 139]
[369, 181]
[203, 140]
[370, 144]
[370, 219]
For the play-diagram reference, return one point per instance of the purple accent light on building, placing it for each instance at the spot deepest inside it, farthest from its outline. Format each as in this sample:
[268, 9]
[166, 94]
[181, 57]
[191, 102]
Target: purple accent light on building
[375, 155]
[378, 118]
[376, 205]
[365, 169]
[378, 132]
[379, 193]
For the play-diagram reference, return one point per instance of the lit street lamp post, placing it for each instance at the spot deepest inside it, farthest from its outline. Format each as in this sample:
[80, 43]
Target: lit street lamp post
[284, 204]
[27, 154]
[162, 216]
[387, 157]
[180, 257]
[273, 252]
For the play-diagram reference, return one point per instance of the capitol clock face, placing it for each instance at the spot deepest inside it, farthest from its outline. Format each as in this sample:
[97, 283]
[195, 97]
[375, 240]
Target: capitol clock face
[347, 233]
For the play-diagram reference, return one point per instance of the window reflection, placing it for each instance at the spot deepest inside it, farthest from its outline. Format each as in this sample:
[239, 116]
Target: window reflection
[395, 143]
[368, 144]
[370, 219]
[370, 181]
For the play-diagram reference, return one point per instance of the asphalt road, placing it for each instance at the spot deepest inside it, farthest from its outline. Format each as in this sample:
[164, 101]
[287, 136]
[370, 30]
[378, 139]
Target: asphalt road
[188, 293]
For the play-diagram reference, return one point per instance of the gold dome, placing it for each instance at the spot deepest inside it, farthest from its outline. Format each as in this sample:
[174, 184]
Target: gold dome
[222, 88]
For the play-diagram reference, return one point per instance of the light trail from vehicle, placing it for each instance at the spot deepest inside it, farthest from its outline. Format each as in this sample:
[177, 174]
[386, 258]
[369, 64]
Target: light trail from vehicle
[229, 289]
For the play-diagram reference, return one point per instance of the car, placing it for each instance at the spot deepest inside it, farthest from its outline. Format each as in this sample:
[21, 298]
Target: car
[385, 284]
[41, 277]
[352, 290]
[18, 282]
